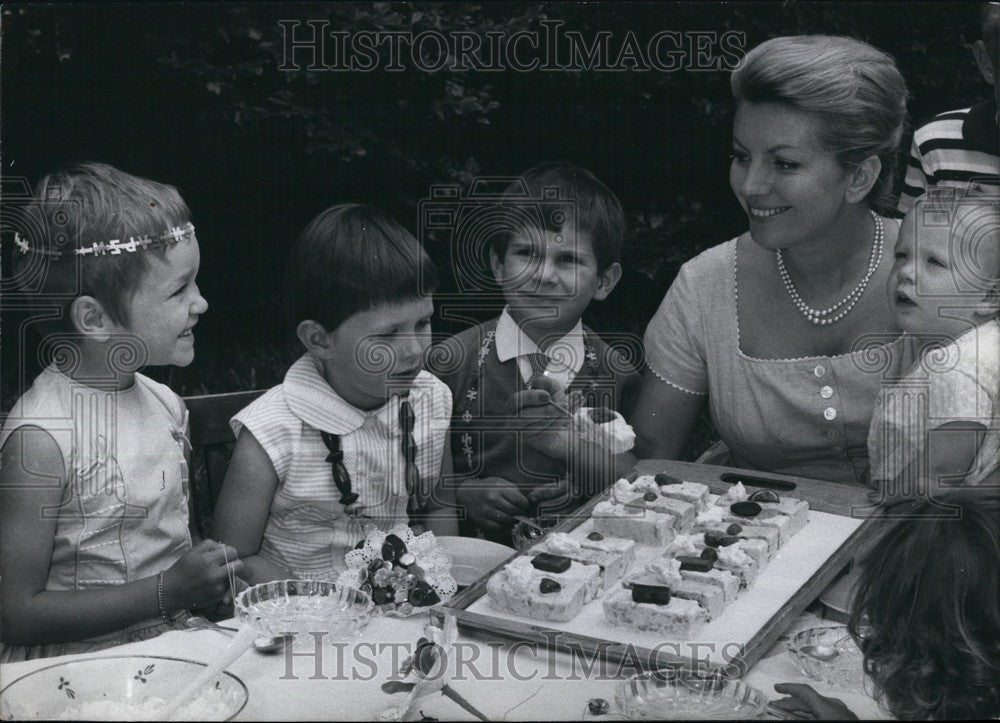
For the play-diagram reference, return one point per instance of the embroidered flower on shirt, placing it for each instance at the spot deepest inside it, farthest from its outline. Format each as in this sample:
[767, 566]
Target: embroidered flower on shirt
[467, 447]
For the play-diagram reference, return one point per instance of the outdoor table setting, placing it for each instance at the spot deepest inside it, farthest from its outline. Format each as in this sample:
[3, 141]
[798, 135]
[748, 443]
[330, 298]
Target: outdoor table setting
[379, 666]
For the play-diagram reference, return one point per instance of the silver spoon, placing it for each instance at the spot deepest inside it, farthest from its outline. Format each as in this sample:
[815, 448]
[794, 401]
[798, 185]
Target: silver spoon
[530, 523]
[824, 652]
[262, 644]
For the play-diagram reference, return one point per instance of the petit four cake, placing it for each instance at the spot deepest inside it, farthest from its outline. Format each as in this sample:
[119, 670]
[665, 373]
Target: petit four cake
[648, 496]
[612, 555]
[677, 616]
[693, 492]
[647, 527]
[736, 560]
[668, 570]
[764, 508]
[650, 601]
[605, 428]
[736, 493]
[537, 589]
[796, 510]
[759, 541]
[696, 568]
[719, 519]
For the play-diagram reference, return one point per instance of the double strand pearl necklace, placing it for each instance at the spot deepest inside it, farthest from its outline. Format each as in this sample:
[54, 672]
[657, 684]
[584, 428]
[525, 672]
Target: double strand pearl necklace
[844, 306]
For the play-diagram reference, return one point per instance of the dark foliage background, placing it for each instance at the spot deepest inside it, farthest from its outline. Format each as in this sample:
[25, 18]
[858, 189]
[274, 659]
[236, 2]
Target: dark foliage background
[191, 94]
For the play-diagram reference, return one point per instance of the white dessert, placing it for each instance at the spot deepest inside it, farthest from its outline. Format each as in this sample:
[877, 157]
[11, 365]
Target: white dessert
[667, 571]
[645, 493]
[692, 492]
[797, 512]
[517, 588]
[736, 493]
[736, 560]
[612, 555]
[646, 527]
[678, 617]
[615, 435]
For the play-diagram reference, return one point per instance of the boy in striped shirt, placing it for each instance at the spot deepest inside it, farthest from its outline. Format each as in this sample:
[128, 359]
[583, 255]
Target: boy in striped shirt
[357, 433]
[961, 148]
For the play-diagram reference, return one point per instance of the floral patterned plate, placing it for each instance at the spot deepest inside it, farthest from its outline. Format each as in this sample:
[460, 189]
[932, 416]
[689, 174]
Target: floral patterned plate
[118, 687]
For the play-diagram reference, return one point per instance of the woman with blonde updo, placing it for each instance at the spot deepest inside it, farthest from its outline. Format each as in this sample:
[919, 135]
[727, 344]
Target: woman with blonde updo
[775, 329]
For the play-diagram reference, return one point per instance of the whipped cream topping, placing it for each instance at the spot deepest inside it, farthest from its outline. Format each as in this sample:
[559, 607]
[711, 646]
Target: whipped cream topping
[711, 516]
[561, 543]
[734, 556]
[622, 489]
[616, 435]
[665, 572]
[520, 571]
[736, 493]
[683, 545]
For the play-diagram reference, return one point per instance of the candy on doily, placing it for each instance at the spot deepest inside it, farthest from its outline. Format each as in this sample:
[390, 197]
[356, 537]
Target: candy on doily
[399, 570]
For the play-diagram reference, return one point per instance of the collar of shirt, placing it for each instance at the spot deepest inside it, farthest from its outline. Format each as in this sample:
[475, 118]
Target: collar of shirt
[315, 402]
[980, 127]
[566, 354]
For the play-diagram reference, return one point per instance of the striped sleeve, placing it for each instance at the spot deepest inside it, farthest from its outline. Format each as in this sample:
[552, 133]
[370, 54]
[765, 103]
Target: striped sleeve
[273, 425]
[942, 154]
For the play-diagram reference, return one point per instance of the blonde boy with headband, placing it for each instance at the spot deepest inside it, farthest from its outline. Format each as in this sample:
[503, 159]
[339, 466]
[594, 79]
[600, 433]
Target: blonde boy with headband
[95, 543]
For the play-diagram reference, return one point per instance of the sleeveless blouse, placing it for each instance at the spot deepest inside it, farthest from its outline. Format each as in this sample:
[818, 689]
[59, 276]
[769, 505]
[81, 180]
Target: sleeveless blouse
[123, 515]
[308, 531]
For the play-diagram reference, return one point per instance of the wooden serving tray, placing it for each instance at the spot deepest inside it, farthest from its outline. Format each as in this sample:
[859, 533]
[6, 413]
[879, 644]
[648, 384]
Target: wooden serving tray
[740, 636]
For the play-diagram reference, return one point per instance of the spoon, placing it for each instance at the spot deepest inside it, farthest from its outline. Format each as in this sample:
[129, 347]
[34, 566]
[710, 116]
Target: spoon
[530, 523]
[262, 644]
[824, 652]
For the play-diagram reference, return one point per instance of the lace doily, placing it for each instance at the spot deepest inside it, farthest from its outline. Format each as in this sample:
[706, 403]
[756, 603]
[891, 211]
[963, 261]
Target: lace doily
[400, 570]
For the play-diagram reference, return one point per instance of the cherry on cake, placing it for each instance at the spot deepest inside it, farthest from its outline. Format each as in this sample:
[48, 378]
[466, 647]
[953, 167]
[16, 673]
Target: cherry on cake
[543, 587]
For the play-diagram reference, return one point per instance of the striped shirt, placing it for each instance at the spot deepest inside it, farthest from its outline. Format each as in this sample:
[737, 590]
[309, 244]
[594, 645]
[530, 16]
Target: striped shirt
[307, 531]
[958, 149]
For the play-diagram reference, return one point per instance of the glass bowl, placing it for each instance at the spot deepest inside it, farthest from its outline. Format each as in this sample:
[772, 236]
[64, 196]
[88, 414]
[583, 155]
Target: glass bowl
[685, 694]
[119, 687]
[525, 535]
[301, 606]
[829, 654]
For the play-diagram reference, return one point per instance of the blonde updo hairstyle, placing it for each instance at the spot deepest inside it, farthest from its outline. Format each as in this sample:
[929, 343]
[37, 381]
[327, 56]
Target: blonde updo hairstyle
[855, 91]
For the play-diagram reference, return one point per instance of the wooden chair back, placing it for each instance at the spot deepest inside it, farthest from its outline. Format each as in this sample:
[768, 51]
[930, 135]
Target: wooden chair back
[212, 444]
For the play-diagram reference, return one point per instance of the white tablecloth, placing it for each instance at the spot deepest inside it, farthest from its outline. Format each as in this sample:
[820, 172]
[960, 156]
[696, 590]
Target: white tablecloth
[505, 681]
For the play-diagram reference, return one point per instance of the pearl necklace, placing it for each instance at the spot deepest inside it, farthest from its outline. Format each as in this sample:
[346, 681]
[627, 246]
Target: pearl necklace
[823, 317]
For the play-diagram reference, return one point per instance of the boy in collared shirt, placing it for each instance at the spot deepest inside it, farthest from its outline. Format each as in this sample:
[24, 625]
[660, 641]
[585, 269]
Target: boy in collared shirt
[510, 389]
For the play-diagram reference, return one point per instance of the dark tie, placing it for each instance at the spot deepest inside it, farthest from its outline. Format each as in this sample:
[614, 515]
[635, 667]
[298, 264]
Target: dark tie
[538, 362]
[409, 447]
[341, 477]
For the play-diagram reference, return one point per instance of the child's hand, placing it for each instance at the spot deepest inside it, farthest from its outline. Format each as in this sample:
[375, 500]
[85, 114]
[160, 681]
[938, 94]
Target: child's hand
[224, 609]
[539, 422]
[804, 699]
[200, 578]
[559, 494]
[491, 502]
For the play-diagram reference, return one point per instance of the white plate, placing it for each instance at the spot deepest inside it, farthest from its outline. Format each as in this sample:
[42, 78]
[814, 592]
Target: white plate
[471, 558]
